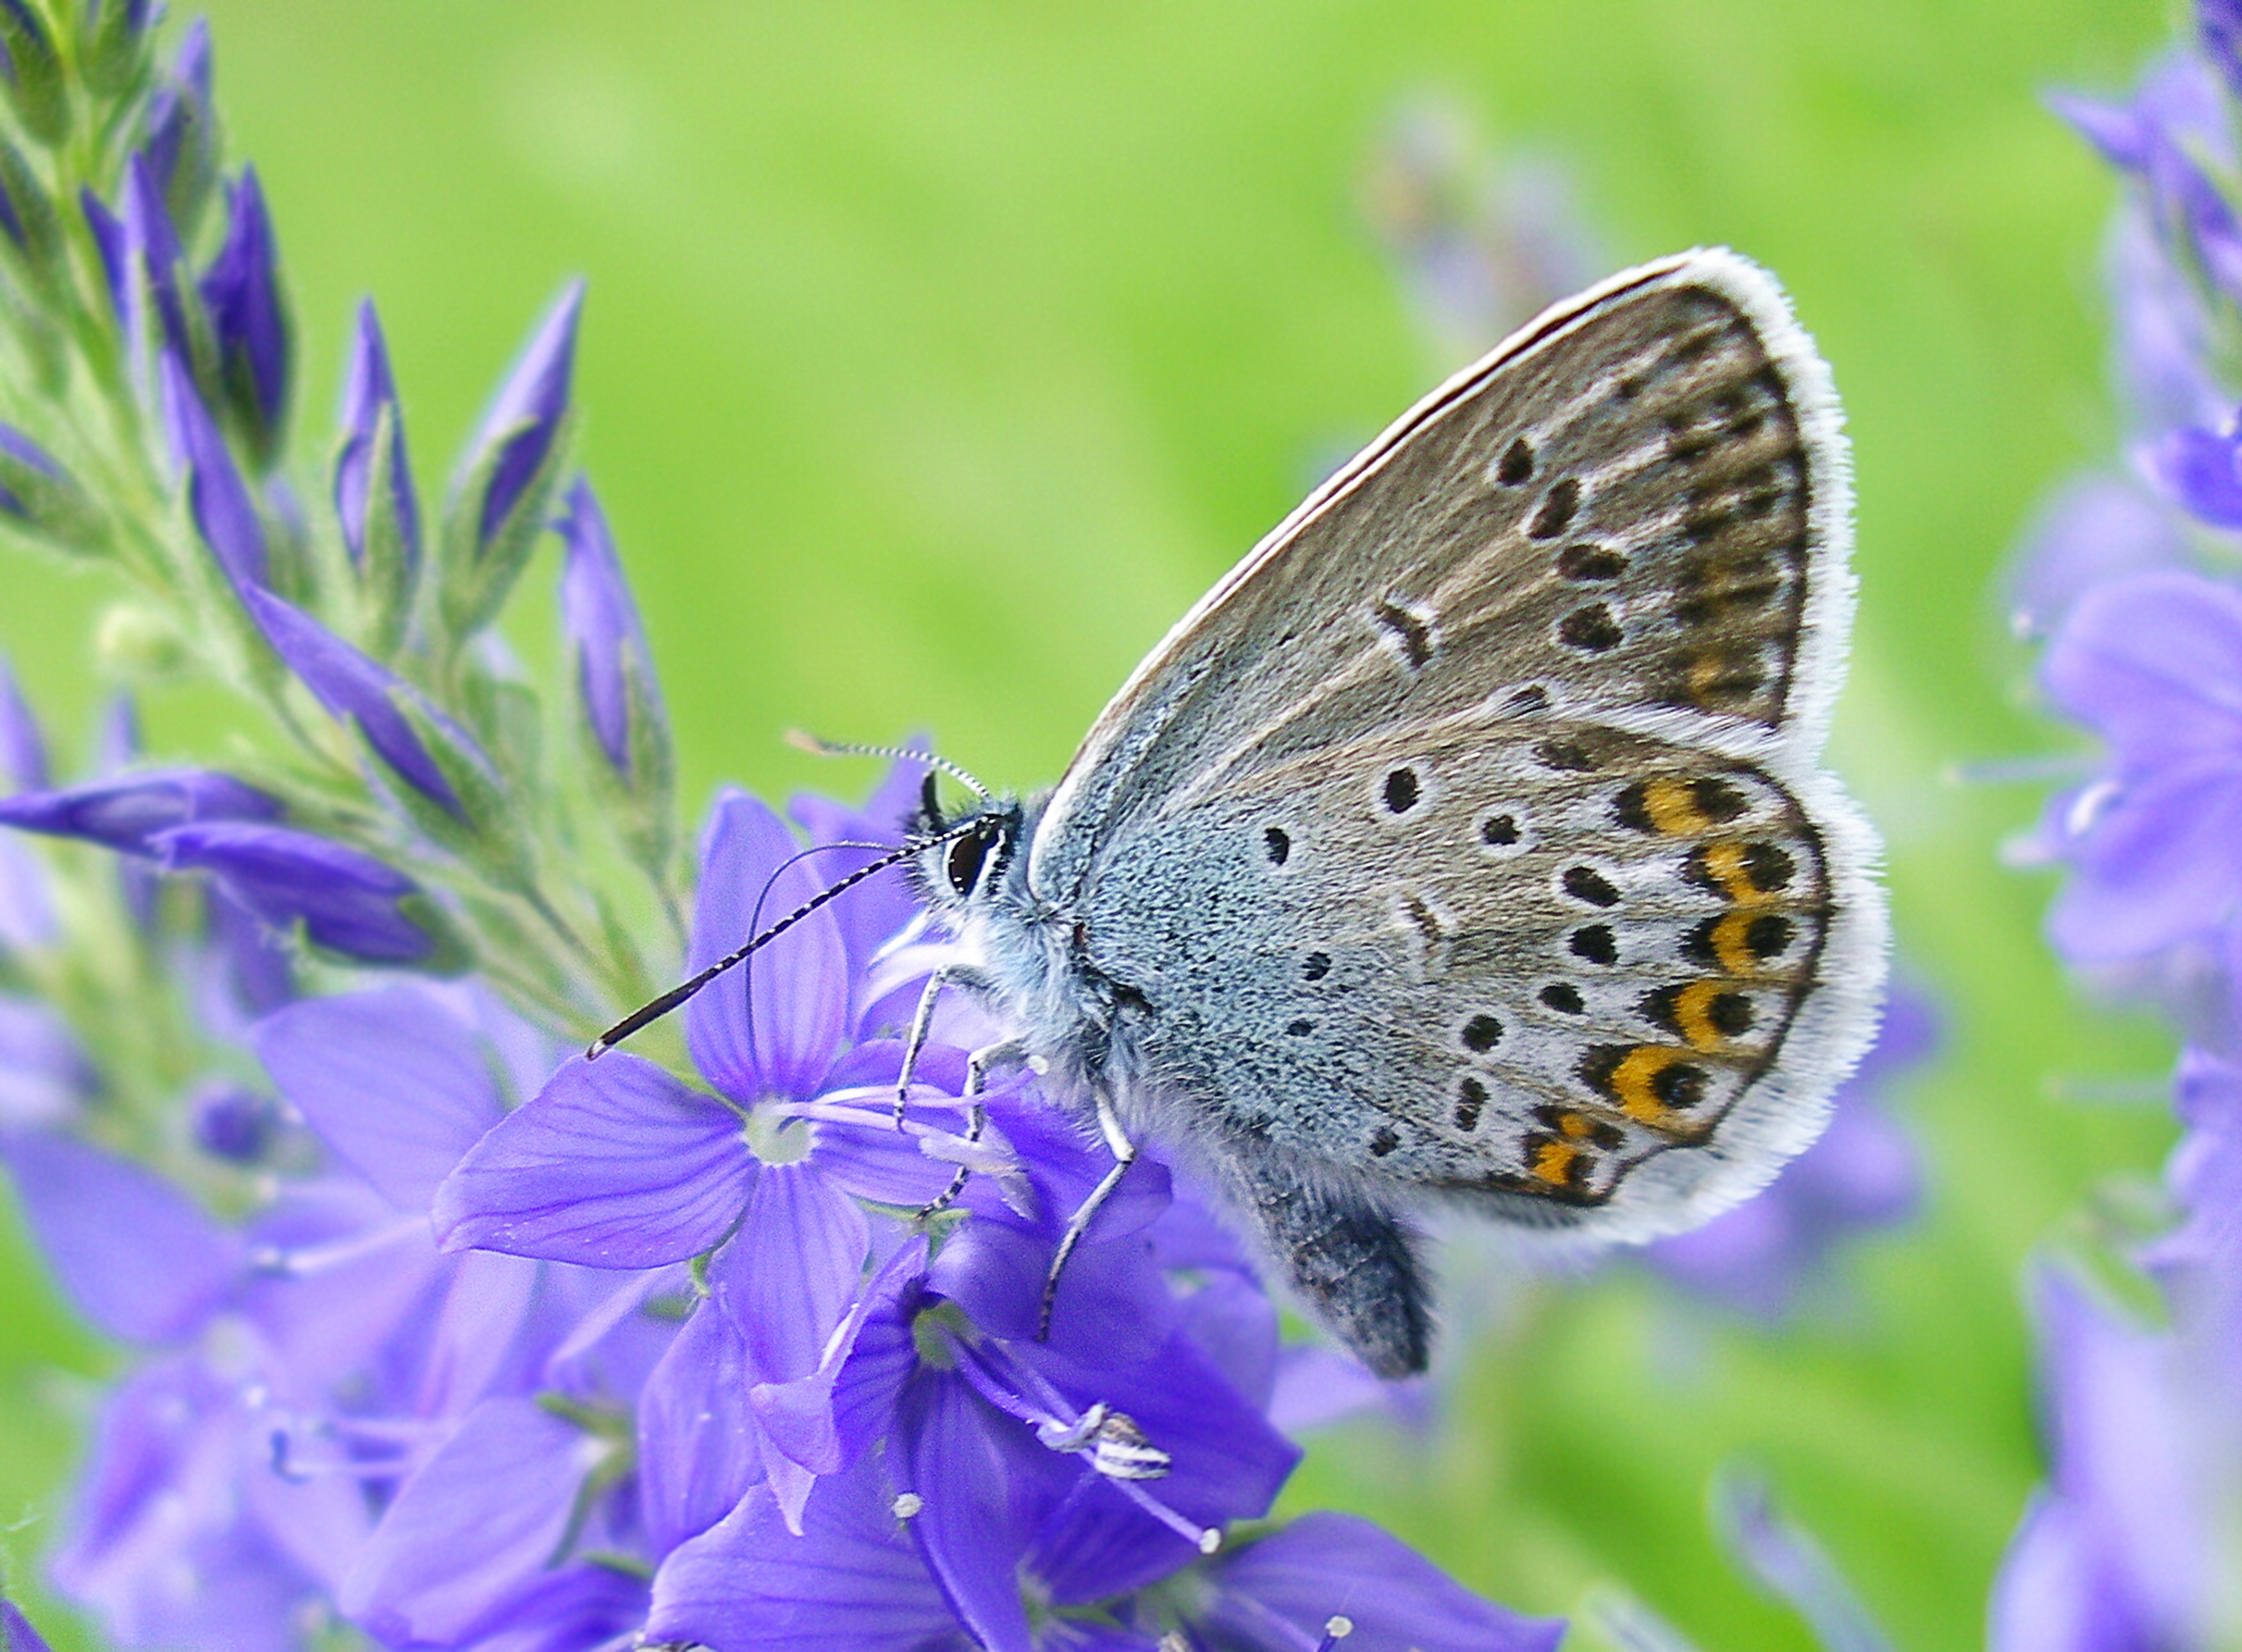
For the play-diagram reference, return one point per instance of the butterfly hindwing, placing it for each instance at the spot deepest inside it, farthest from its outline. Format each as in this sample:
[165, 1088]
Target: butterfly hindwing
[1513, 959]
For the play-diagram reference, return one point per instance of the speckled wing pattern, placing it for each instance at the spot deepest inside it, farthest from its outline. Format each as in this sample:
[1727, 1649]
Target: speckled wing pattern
[1471, 837]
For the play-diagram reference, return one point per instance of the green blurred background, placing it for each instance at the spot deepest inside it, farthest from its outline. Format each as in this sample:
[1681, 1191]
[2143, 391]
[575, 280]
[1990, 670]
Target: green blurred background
[937, 357]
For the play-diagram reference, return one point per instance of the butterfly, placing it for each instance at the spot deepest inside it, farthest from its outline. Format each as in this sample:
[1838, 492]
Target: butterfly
[1469, 842]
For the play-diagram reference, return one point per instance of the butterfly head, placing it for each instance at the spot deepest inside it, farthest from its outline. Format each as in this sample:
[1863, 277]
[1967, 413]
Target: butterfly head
[958, 870]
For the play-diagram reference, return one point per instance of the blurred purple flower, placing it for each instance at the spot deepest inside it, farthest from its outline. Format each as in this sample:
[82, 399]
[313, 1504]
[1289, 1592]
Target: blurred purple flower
[224, 514]
[1862, 1175]
[126, 814]
[615, 683]
[2125, 1546]
[2154, 665]
[112, 244]
[154, 281]
[368, 393]
[2176, 111]
[16, 1633]
[17, 446]
[518, 431]
[356, 690]
[2098, 529]
[22, 745]
[249, 317]
[181, 128]
[346, 901]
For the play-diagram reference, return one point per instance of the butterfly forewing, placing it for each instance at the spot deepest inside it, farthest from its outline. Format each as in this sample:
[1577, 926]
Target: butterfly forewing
[1629, 506]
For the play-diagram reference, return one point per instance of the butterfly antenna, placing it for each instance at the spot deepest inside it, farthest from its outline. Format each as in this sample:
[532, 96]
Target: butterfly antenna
[811, 743]
[647, 1014]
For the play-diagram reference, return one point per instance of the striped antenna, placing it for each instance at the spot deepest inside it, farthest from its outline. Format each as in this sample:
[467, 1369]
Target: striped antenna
[811, 743]
[646, 1015]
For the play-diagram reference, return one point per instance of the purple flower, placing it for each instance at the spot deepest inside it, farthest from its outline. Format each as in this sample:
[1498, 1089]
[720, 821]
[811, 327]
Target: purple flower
[154, 273]
[19, 454]
[114, 245]
[615, 668]
[224, 514]
[16, 1633]
[369, 398]
[346, 901]
[517, 434]
[128, 813]
[616, 1164]
[2218, 26]
[355, 689]
[2096, 529]
[181, 141]
[140, 1259]
[249, 317]
[2198, 466]
[32, 70]
[23, 746]
[2176, 109]
[2154, 665]
[2125, 1546]
[1862, 1175]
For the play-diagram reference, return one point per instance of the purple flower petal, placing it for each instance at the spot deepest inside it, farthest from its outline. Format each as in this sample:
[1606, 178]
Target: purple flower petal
[580, 1607]
[367, 391]
[811, 1421]
[16, 1633]
[2096, 530]
[2154, 665]
[788, 1276]
[2161, 863]
[125, 813]
[774, 1025]
[153, 242]
[23, 747]
[699, 1447]
[224, 514]
[479, 1520]
[2131, 1500]
[2055, 1591]
[346, 901]
[613, 1164]
[394, 1085]
[354, 689]
[110, 241]
[139, 1257]
[2198, 467]
[249, 315]
[850, 1583]
[160, 1547]
[1277, 1596]
[603, 630]
[2218, 25]
[44, 1076]
[522, 421]
[881, 1358]
[971, 1469]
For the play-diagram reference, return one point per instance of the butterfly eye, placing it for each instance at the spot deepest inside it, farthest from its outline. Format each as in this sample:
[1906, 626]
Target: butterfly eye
[966, 855]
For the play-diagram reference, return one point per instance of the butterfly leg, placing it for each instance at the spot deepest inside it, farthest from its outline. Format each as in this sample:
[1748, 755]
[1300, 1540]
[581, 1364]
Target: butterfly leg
[922, 1019]
[977, 1065]
[1124, 1154]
